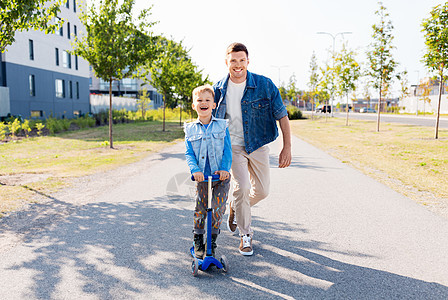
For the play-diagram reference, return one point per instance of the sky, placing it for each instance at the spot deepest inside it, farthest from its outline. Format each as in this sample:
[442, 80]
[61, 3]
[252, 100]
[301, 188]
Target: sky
[281, 35]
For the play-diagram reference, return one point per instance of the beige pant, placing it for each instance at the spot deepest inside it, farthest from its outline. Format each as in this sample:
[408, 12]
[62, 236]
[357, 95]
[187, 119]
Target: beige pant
[251, 180]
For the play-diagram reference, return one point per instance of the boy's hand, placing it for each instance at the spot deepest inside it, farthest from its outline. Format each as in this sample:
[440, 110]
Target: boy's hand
[223, 175]
[198, 176]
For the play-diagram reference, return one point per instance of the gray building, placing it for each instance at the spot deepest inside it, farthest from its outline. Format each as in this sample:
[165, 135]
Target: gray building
[39, 78]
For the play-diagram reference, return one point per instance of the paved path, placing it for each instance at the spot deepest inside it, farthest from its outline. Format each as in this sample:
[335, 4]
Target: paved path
[326, 232]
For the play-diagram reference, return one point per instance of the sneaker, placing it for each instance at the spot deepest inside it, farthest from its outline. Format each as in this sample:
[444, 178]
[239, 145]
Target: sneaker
[199, 247]
[231, 220]
[246, 245]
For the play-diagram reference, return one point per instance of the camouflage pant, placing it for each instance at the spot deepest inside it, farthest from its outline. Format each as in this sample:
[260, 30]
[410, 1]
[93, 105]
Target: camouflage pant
[220, 190]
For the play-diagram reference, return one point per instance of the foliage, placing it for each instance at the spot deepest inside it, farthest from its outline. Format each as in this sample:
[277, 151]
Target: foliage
[3, 131]
[436, 41]
[115, 41]
[14, 127]
[39, 127]
[292, 90]
[294, 113]
[23, 15]
[26, 127]
[381, 69]
[314, 79]
[143, 102]
[173, 73]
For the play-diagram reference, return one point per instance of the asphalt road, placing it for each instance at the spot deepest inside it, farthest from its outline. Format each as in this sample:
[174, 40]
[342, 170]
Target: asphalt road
[429, 121]
[326, 232]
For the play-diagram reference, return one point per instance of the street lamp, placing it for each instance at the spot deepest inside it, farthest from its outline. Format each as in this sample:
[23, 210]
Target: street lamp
[334, 39]
[279, 67]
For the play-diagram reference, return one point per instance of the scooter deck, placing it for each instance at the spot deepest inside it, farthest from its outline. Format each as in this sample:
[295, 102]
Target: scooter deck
[205, 263]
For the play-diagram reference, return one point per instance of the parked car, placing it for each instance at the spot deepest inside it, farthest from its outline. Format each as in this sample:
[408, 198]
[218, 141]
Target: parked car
[323, 109]
[367, 110]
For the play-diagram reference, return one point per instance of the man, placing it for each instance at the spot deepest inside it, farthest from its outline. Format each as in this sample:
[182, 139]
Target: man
[252, 103]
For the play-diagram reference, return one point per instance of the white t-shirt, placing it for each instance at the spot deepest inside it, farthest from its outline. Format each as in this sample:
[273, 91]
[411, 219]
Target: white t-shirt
[234, 95]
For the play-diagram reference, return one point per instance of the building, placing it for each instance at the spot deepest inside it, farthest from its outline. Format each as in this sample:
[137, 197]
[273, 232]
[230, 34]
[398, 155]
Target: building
[127, 87]
[39, 78]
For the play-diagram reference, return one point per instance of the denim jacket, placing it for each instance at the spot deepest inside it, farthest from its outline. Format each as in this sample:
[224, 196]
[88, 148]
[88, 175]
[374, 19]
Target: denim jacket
[213, 141]
[261, 106]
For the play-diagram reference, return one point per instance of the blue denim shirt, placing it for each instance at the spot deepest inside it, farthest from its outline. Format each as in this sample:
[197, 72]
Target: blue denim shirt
[261, 106]
[208, 144]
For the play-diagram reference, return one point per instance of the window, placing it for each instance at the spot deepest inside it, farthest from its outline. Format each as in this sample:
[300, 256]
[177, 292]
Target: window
[70, 89]
[76, 62]
[67, 3]
[75, 30]
[90, 81]
[66, 60]
[31, 47]
[56, 54]
[60, 88]
[77, 90]
[32, 85]
[36, 114]
[74, 5]
[68, 30]
[61, 29]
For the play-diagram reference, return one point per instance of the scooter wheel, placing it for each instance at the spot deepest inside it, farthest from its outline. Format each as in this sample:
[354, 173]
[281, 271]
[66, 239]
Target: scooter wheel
[195, 267]
[225, 264]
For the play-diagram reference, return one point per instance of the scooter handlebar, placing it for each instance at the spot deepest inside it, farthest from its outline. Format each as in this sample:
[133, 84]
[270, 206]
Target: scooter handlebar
[214, 177]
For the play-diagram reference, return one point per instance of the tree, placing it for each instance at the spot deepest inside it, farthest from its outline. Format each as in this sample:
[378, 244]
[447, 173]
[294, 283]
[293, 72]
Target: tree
[23, 15]
[436, 56]
[327, 84]
[347, 72]
[292, 91]
[313, 81]
[143, 102]
[115, 42]
[170, 72]
[382, 64]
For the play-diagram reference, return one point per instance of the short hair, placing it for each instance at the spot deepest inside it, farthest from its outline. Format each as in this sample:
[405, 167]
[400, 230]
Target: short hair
[202, 89]
[236, 47]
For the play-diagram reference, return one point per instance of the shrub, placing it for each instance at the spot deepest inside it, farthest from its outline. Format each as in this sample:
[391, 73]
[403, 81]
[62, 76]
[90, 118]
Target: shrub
[294, 113]
[26, 127]
[3, 131]
[53, 125]
[39, 127]
[14, 126]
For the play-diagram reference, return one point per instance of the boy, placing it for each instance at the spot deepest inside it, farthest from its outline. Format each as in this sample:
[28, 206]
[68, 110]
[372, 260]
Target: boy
[208, 151]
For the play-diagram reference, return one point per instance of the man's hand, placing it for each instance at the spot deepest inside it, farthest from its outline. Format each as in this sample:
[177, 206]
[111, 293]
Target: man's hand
[198, 176]
[284, 159]
[223, 175]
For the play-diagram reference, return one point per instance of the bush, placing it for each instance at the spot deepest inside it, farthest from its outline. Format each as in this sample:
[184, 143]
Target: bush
[294, 113]
[14, 126]
[3, 131]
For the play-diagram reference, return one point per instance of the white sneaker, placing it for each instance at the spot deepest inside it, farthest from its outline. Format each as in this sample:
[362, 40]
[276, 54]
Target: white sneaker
[246, 245]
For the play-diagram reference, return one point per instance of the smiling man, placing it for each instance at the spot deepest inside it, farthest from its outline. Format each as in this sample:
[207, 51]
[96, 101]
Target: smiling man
[253, 105]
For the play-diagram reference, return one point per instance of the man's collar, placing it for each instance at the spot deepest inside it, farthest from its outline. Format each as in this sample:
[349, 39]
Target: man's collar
[250, 81]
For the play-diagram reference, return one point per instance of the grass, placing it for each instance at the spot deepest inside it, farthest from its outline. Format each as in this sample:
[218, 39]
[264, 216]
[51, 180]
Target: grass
[405, 157]
[78, 153]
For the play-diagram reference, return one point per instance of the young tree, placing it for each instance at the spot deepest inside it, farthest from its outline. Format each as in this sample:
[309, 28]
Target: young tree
[292, 91]
[347, 72]
[313, 81]
[143, 102]
[404, 85]
[169, 70]
[382, 64]
[23, 15]
[436, 56]
[115, 42]
[327, 84]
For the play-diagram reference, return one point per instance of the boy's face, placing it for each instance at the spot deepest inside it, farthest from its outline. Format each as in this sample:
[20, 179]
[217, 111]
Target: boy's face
[203, 104]
[237, 63]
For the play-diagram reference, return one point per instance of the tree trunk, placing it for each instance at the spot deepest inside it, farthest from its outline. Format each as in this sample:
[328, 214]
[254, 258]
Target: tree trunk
[326, 110]
[180, 118]
[164, 106]
[346, 110]
[379, 109]
[110, 115]
[438, 107]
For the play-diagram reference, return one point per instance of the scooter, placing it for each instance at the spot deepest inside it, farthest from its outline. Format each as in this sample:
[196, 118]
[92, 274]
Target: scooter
[209, 260]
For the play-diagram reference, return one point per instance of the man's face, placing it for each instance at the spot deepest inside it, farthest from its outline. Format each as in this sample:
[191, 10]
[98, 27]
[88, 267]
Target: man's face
[237, 63]
[204, 103]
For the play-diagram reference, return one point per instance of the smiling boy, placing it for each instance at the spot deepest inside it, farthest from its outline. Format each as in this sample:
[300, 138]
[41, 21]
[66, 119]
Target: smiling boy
[208, 151]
